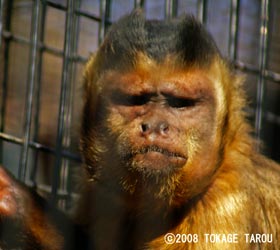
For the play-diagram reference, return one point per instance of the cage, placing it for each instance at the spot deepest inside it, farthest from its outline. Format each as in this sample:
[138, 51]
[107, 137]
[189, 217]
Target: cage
[45, 44]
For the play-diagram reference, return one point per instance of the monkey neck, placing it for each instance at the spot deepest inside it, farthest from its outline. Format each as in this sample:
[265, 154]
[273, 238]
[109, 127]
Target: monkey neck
[136, 205]
[118, 215]
[121, 216]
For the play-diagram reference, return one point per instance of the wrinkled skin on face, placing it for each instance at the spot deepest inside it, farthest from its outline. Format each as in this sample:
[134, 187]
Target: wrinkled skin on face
[160, 124]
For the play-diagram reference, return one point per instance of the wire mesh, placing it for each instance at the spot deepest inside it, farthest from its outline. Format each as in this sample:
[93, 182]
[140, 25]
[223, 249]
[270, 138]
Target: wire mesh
[94, 17]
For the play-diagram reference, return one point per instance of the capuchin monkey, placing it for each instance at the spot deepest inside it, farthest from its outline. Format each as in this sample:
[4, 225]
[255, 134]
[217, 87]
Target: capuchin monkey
[169, 160]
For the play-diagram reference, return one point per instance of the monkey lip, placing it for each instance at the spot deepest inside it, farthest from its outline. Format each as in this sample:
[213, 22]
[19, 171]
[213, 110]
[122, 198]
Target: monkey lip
[155, 157]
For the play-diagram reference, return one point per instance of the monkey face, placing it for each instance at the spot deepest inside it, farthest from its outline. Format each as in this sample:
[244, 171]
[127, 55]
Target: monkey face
[155, 106]
[160, 121]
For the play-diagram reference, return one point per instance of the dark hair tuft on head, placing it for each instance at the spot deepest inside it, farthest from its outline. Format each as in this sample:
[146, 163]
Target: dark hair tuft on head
[184, 37]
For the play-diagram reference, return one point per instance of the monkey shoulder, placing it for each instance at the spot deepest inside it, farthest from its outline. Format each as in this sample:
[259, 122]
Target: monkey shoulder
[266, 173]
[263, 193]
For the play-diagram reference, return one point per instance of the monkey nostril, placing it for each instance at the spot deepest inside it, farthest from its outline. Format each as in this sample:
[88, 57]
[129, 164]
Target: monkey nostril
[163, 128]
[145, 127]
[160, 128]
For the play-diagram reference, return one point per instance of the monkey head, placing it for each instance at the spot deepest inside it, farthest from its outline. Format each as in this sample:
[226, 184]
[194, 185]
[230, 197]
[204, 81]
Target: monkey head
[156, 108]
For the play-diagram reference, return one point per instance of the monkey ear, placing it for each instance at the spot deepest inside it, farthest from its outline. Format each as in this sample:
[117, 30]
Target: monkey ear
[90, 73]
[90, 90]
[194, 41]
[138, 12]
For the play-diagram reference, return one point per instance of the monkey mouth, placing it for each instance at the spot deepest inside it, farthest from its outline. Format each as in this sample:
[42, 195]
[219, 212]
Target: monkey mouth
[157, 149]
[155, 157]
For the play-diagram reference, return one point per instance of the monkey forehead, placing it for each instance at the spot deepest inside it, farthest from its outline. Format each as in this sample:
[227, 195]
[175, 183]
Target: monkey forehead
[151, 77]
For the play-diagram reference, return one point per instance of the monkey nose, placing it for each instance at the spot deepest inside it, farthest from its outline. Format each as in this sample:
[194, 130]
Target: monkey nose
[161, 128]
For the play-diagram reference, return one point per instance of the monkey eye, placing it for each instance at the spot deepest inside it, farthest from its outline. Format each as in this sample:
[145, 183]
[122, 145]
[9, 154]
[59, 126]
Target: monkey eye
[178, 102]
[130, 100]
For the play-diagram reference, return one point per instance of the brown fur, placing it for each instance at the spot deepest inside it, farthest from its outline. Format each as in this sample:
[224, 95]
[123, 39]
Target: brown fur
[229, 188]
[166, 148]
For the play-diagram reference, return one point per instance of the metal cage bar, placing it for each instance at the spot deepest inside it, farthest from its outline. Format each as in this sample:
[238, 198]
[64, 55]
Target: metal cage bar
[71, 57]
[66, 74]
[1, 20]
[5, 65]
[262, 66]
[233, 29]
[31, 89]
[139, 3]
[37, 107]
[171, 8]
[104, 16]
[65, 167]
[202, 10]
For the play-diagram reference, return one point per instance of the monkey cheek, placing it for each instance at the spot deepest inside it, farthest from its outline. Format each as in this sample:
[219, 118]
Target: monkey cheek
[158, 162]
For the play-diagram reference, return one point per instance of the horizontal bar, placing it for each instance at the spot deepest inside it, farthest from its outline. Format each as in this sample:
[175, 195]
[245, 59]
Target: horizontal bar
[9, 36]
[268, 74]
[55, 5]
[93, 17]
[39, 146]
[62, 194]
[78, 12]
[54, 51]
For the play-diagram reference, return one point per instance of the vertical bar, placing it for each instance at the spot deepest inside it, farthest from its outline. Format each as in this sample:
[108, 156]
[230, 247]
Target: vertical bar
[6, 46]
[66, 73]
[233, 28]
[31, 88]
[1, 20]
[69, 111]
[139, 3]
[171, 7]
[202, 10]
[262, 66]
[104, 15]
[38, 90]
